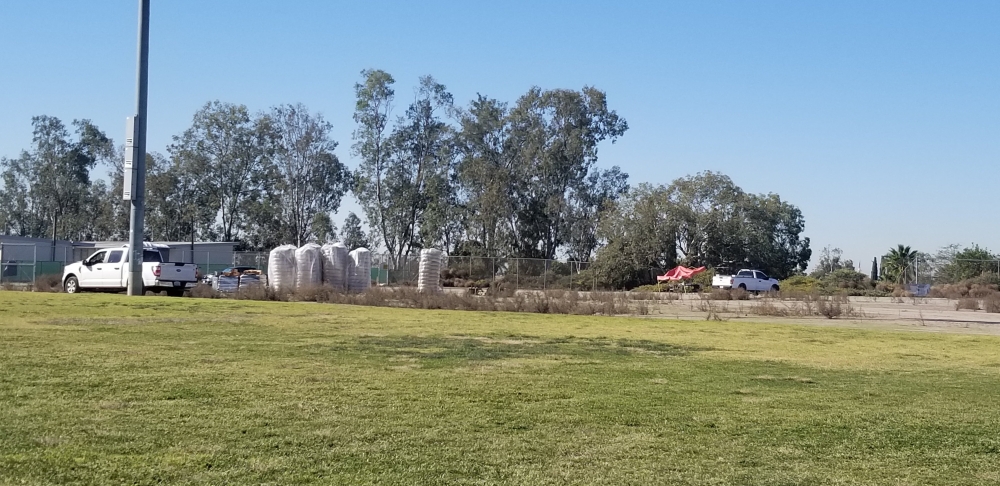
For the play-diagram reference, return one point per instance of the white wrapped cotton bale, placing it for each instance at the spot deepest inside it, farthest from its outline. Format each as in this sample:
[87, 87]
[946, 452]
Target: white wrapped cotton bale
[429, 273]
[281, 268]
[335, 265]
[308, 266]
[359, 278]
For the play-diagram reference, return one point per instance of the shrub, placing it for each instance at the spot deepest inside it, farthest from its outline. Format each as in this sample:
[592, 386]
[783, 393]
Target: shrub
[800, 283]
[991, 304]
[202, 291]
[967, 303]
[845, 278]
[829, 308]
[652, 288]
[48, 283]
[704, 279]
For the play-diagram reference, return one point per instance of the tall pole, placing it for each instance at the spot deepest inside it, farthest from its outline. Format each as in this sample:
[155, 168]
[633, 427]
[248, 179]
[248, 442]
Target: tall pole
[138, 200]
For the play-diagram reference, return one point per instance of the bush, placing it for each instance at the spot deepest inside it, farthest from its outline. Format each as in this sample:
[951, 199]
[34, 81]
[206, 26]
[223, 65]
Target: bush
[704, 279]
[652, 288]
[845, 278]
[48, 283]
[991, 304]
[969, 304]
[829, 308]
[800, 283]
[202, 291]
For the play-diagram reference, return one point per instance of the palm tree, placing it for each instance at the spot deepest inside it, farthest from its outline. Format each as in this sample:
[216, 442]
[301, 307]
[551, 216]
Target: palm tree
[897, 263]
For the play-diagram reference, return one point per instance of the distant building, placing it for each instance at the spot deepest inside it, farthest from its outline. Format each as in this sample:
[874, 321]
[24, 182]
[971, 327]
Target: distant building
[20, 250]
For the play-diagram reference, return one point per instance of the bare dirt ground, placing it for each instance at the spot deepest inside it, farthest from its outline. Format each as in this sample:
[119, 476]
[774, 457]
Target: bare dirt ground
[911, 313]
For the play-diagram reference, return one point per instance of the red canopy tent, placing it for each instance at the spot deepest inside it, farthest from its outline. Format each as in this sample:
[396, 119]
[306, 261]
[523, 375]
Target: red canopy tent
[679, 273]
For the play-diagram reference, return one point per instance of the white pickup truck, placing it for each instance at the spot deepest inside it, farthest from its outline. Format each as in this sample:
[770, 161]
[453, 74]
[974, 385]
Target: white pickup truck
[107, 270]
[749, 280]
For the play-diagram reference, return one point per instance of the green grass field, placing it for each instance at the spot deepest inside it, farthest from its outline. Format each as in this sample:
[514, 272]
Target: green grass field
[99, 389]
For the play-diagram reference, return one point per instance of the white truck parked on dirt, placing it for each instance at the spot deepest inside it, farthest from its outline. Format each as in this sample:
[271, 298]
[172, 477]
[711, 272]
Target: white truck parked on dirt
[107, 270]
[748, 280]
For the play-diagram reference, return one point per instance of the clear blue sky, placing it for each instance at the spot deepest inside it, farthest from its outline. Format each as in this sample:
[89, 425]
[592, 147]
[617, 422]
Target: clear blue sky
[880, 120]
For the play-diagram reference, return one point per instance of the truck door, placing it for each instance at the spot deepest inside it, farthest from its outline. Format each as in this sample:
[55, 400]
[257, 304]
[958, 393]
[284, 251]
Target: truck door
[111, 276]
[760, 282]
[92, 269]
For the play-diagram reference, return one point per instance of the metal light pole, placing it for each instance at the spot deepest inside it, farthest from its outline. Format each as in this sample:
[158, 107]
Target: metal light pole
[138, 193]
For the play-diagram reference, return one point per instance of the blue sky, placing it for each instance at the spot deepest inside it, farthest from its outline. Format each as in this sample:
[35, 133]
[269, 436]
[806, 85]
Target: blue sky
[880, 120]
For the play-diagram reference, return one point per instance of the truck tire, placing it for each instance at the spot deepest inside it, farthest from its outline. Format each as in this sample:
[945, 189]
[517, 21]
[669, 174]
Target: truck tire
[71, 285]
[175, 292]
[743, 287]
[775, 288]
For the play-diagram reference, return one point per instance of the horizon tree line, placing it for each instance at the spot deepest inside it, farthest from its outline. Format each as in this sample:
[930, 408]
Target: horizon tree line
[492, 178]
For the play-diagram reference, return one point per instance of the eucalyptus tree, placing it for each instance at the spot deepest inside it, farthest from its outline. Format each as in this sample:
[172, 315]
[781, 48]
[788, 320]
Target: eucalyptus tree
[589, 203]
[178, 205]
[47, 188]
[556, 134]
[230, 150]
[404, 179]
[640, 235]
[373, 107]
[485, 177]
[311, 179]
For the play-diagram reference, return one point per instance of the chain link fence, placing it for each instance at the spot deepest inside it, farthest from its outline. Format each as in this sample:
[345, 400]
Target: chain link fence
[496, 272]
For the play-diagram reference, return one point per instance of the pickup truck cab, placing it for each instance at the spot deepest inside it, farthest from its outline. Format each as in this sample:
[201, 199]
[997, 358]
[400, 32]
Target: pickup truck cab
[107, 270]
[749, 280]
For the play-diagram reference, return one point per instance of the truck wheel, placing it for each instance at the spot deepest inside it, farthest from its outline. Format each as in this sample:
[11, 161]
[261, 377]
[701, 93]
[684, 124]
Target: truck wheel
[71, 285]
[774, 288]
[743, 287]
[175, 292]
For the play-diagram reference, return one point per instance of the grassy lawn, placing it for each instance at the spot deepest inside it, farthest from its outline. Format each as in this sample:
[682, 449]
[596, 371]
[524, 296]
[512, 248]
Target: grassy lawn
[101, 389]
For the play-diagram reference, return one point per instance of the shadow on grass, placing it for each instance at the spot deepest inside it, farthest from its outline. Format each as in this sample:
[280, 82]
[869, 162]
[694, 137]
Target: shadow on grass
[443, 349]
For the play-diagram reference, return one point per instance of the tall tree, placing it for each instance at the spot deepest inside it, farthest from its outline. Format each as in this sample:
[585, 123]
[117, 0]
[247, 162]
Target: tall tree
[640, 236]
[178, 206]
[404, 184]
[373, 106]
[588, 204]
[557, 133]
[312, 180]
[50, 184]
[233, 151]
[485, 175]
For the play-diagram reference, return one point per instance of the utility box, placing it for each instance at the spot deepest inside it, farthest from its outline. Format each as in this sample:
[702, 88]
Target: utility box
[131, 135]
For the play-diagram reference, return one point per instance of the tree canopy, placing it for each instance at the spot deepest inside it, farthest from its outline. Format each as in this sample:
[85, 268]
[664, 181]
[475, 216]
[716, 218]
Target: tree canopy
[491, 178]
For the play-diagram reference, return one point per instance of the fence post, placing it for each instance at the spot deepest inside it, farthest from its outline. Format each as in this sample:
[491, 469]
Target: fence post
[34, 264]
[545, 273]
[1, 262]
[517, 272]
[493, 270]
